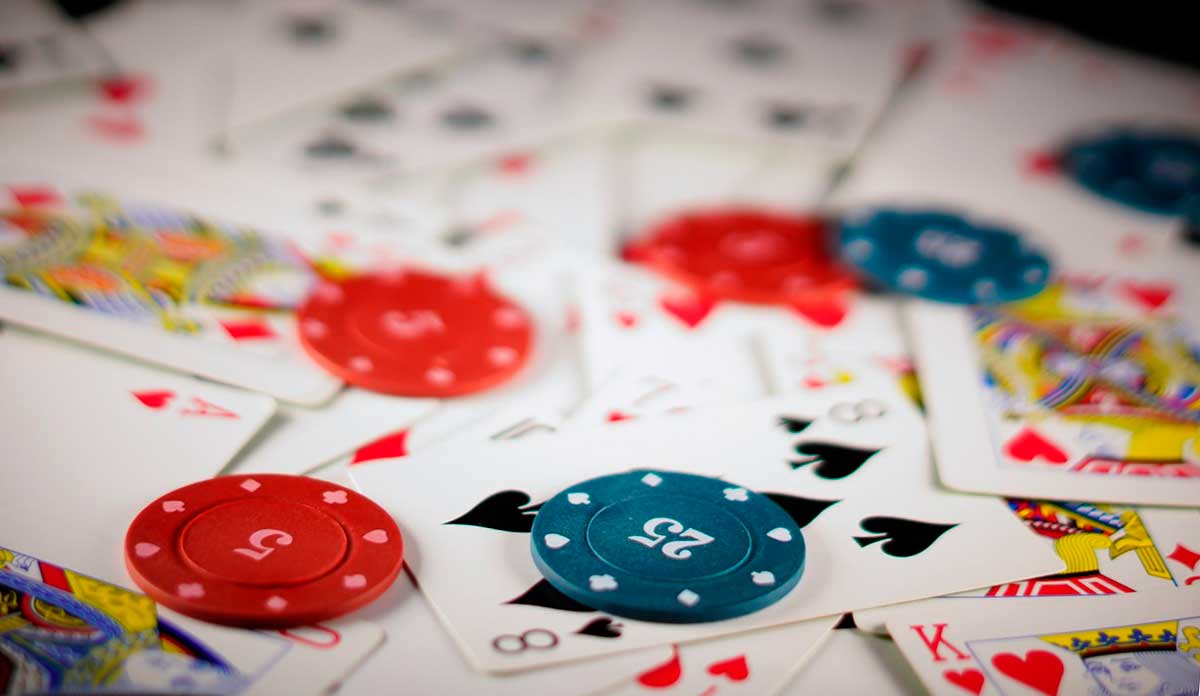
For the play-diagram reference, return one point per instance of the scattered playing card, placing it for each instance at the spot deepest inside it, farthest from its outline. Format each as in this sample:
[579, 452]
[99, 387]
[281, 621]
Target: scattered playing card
[102, 436]
[824, 457]
[1143, 643]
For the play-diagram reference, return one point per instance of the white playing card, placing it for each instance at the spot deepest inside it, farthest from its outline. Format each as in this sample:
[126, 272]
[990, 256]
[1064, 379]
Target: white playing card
[102, 437]
[38, 45]
[300, 439]
[771, 70]
[292, 54]
[875, 433]
[1144, 643]
[852, 662]
[1036, 400]
[758, 662]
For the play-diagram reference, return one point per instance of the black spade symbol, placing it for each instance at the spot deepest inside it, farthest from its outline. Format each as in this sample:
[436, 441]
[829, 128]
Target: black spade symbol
[603, 627]
[506, 511]
[901, 538]
[831, 461]
[543, 594]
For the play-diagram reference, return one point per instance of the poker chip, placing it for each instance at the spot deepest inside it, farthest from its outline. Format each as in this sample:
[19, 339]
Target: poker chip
[942, 256]
[667, 547]
[263, 550]
[1154, 171]
[744, 254]
[415, 333]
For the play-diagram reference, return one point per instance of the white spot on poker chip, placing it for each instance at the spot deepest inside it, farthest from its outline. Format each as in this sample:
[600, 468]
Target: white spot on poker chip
[739, 495]
[859, 250]
[145, 549]
[439, 376]
[328, 292]
[314, 328]
[501, 356]
[334, 497]
[376, 536]
[190, 590]
[763, 577]
[602, 583]
[250, 485]
[1033, 275]
[651, 479]
[579, 499]
[508, 317]
[361, 363]
[354, 582]
[276, 603]
[913, 278]
[556, 541]
[780, 534]
[173, 506]
[984, 289]
[688, 598]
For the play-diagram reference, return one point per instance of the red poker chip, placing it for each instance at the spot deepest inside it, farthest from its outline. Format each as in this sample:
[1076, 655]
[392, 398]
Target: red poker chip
[263, 550]
[415, 333]
[744, 254]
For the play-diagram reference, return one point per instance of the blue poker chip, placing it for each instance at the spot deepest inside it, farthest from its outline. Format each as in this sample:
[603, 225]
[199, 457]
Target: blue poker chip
[668, 547]
[942, 256]
[1153, 171]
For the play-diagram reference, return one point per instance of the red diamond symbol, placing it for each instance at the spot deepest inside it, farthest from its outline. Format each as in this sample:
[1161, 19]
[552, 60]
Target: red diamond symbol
[1185, 556]
[247, 330]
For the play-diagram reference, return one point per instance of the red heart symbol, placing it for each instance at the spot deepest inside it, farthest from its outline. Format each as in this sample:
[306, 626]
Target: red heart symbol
[1149, 295]
[124, 89]
[1028, 445]
[969, 679]
[662, 676]
[627, 320]
[826, 311]
[617, 416]
[1042, 164]
[733, 669]
[515, 164]
[689, 309]
[154, 399]
[1039, 669]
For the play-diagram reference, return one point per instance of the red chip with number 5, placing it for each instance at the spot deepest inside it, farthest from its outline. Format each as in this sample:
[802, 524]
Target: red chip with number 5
[263, 550]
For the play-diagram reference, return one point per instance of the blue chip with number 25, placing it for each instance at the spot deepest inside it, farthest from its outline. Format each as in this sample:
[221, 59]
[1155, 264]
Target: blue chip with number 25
[943, 256]
[668, 547]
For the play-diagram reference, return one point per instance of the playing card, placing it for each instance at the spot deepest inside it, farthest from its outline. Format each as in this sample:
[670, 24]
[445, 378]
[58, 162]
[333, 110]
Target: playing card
[119, 433]
[299, 439]
[848, 463]
[160, 284]
[1086, 391]
[1104, 550]
[38, 45]
[1144, 643]
[71, 633]
[526, 19]
[292, 54]
[759, 662]
[786, 71]
[855, 662]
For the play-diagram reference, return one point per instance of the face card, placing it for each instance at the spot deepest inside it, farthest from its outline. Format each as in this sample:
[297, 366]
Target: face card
[835, 460]
[163, 285]
[759, 662]
[1145, 643]
[119, 432]
[1086, 391]
[851, 660]
[71, 633]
